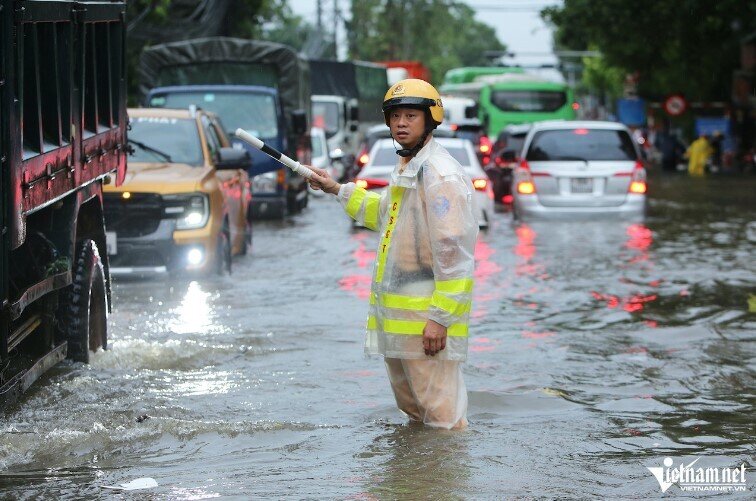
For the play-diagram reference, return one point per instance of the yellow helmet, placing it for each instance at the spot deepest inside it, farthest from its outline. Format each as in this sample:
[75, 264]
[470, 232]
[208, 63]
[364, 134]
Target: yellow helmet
[413, 92]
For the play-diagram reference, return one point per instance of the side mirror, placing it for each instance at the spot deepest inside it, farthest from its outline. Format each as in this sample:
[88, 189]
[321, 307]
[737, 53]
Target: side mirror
[354, 113]
[353, 127]
[299, 122]
[508, 156]
[232, 158]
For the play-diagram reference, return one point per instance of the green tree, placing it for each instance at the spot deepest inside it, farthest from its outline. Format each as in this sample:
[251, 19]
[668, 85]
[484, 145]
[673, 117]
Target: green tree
[443, 34]
[688, 46]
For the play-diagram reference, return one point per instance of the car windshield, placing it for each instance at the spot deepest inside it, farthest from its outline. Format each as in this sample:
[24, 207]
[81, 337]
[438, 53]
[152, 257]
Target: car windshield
[255, 113]
[528, 100]
[373, 137]
[176, 137]
[581, 144]
[387, 156]
[460, 155]
[317, 146]
[326, 116]
[511, 142]
[472, 135]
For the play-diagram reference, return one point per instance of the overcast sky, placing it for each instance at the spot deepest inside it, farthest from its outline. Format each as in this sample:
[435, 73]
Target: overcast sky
[517, 22]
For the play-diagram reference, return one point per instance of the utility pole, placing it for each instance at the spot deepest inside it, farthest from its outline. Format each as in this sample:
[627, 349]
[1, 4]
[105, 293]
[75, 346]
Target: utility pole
[335, 29]
[320, 16]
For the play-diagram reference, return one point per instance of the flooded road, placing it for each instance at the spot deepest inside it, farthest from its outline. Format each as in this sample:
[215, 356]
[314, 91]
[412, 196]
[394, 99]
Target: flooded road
[597, 350]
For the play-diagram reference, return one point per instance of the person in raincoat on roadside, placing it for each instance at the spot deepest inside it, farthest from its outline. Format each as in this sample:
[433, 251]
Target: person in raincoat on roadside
[698, 154]
[421, 291]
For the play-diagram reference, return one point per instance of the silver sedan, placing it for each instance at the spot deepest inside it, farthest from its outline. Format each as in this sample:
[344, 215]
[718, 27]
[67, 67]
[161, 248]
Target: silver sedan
[377, 172]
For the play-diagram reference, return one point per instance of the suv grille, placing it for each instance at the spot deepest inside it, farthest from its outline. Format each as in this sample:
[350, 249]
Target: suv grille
[136, 216]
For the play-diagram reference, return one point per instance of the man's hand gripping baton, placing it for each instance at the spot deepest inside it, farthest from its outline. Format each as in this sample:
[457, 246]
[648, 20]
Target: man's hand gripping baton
[274, 153]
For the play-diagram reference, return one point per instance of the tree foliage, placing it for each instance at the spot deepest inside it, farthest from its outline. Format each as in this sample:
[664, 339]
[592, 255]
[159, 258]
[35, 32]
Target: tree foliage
[443, 34]
[688, 46]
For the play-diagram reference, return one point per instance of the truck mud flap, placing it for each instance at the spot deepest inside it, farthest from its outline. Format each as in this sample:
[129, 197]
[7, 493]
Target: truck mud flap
[13, 389]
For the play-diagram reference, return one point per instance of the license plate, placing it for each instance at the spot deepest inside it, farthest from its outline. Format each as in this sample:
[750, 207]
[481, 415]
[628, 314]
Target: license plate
[111, 242]
[581, 185]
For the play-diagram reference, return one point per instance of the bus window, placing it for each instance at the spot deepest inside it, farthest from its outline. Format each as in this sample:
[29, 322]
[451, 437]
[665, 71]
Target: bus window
[528, 100]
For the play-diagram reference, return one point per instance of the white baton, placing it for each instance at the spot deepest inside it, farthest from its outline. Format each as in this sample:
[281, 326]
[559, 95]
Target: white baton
[274, 153]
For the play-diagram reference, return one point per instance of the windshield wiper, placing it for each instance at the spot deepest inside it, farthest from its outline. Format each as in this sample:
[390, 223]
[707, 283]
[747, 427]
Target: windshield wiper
[156, 151]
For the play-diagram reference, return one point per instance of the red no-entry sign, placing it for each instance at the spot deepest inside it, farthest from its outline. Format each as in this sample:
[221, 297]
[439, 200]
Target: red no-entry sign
[675, 105]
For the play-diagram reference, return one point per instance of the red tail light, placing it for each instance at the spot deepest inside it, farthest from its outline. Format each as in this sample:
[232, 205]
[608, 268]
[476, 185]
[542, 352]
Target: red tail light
[370, 183]
[524, 164]
[507, 199]
[638, 181]
[485, 145]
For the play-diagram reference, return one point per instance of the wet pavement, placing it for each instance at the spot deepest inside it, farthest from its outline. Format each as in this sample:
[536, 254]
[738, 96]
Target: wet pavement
[598, 349]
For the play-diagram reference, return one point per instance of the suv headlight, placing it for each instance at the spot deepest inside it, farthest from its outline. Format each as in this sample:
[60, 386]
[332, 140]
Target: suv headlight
[191, 210]
[265, 183]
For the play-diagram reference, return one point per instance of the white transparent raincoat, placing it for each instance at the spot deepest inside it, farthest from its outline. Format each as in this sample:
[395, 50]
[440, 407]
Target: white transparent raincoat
[424, 264]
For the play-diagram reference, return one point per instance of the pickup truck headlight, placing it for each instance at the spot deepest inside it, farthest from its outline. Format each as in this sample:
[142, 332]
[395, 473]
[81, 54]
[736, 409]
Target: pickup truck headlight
[191, 210]
[265, 183]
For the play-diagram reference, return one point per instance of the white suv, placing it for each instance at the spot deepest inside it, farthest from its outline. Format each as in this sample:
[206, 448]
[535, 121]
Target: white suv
[579, 168]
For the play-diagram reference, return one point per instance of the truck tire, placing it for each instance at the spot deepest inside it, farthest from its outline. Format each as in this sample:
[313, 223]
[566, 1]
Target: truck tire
[223, 251]
[83, 308]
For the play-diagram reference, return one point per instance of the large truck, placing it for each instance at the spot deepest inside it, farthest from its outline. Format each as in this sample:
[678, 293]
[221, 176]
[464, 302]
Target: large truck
[261, 87]
[62, 136]
[346, 101]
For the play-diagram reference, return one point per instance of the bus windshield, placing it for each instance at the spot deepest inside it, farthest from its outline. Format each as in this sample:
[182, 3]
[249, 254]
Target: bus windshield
[326, 116]
[528, 100]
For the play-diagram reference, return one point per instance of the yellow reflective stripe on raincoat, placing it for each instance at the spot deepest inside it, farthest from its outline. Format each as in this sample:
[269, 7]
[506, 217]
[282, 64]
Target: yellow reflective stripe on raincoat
[355, 202]
[458, 286]
[372, 209]
[412, 327]
[383, 247]
[449, 305]
[415, 328]
[413, 303]
[372, 323]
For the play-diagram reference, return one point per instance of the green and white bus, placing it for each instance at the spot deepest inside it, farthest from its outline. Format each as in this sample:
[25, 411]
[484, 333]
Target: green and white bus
[515, 98]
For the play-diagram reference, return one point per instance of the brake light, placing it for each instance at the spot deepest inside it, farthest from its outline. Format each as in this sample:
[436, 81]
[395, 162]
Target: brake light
[485, 145]
[281, 177]
[525, 185]
[507, 199]
[524, 165]
[363, 159]
[480, 183]
[369, 183]
[454, 126]
[575, 106]
[638, 181]
[581, 132]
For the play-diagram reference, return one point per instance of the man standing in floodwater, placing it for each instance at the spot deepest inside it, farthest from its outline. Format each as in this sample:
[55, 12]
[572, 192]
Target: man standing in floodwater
[421, 291]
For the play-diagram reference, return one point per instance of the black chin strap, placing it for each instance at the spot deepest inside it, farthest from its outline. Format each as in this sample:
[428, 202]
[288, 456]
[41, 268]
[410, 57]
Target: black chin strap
[411, 152]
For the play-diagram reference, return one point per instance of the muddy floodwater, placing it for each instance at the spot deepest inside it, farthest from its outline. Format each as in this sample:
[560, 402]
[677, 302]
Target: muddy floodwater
[598, 349]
